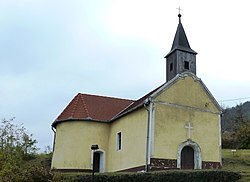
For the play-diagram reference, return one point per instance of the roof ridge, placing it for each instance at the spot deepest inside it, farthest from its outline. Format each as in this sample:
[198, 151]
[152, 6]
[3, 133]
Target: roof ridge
[75, 104]
[103, 96]
[84, 105]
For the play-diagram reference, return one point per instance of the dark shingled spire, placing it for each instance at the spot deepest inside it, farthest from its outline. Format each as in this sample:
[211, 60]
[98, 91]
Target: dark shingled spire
[180, 40]
[181, 57]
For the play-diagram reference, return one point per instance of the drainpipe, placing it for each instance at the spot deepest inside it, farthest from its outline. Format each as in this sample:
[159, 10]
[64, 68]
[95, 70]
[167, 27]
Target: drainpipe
[54, 138]
[146, 103]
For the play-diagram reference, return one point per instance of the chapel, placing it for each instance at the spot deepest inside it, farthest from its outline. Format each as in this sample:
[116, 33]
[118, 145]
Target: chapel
[175, 126]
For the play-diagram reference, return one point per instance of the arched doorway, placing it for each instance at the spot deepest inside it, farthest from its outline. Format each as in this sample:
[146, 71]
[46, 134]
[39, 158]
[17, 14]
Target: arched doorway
[189, 155]
[187, 158]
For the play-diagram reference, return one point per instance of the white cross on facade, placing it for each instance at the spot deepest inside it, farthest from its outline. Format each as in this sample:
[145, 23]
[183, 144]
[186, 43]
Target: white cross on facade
[189, 127]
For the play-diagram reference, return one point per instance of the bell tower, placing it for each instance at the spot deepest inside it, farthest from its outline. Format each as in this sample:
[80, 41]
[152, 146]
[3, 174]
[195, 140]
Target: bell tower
[181, 57]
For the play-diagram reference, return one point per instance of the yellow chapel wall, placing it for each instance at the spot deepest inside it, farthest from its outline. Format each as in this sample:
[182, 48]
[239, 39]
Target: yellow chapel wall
[180, 104]
[133, 129]
[72, 148]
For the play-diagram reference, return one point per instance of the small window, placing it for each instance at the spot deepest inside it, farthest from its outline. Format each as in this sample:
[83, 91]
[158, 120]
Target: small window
[119, 141]
[186, 65]
[171, 67]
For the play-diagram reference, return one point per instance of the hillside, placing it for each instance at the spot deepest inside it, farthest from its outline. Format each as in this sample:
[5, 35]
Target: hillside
[230, 116]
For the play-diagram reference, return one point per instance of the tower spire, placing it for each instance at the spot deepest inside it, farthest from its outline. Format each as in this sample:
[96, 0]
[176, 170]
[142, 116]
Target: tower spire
[181, 57]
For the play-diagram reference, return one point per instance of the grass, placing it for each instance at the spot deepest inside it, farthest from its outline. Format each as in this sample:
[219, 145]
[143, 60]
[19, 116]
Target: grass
[238, 161]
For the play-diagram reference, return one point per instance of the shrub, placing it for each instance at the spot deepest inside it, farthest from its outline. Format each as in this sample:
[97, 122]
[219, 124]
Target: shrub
[18, 158]
[170, 176]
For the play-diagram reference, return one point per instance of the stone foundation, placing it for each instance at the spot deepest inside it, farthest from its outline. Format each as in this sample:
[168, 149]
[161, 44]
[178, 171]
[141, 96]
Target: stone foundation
[210, 165]
[162, 164]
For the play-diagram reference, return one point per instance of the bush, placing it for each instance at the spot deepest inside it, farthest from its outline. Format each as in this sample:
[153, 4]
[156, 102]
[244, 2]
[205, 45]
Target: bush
[18, 158]
[170, 176]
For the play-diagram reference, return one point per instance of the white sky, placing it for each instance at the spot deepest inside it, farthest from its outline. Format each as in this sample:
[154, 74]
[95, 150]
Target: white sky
[52, 49]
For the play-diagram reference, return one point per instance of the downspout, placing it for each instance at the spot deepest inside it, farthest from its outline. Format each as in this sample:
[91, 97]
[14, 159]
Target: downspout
[220, 142]
[146, 103]
[54, 138]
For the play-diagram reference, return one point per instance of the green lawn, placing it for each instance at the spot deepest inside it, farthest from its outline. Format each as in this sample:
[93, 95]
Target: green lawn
[237, 161]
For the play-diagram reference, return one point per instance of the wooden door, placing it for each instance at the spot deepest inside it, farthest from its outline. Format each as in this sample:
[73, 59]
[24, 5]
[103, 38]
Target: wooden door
[96, 162]
[187, 158]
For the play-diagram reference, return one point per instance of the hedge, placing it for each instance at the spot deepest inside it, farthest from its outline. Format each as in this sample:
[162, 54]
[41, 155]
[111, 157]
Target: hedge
[168, 176]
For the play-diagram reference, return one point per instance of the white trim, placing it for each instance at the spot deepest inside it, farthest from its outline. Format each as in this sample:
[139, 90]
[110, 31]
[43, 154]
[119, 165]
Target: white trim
[220, 143]
[182, 76]
[197, 154]
[152, 129]
[102, 159]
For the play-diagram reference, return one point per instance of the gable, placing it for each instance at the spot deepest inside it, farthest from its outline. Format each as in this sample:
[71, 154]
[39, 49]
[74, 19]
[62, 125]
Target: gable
[185, 100]
[188, 91]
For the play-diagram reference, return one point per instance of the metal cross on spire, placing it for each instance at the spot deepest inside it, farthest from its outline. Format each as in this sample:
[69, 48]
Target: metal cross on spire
[179, 8]
[179, 15]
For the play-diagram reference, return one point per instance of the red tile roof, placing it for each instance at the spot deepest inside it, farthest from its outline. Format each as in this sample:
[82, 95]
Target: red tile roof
[93, 107]
[99, 108]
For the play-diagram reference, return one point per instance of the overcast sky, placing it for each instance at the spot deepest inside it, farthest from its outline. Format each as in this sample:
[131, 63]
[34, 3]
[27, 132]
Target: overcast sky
[50, 50]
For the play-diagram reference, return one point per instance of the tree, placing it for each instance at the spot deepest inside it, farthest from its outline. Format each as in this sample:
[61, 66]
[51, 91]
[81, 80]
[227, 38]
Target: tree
[15, 140]
[236, 126]
[16, 146]
[242, 128]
